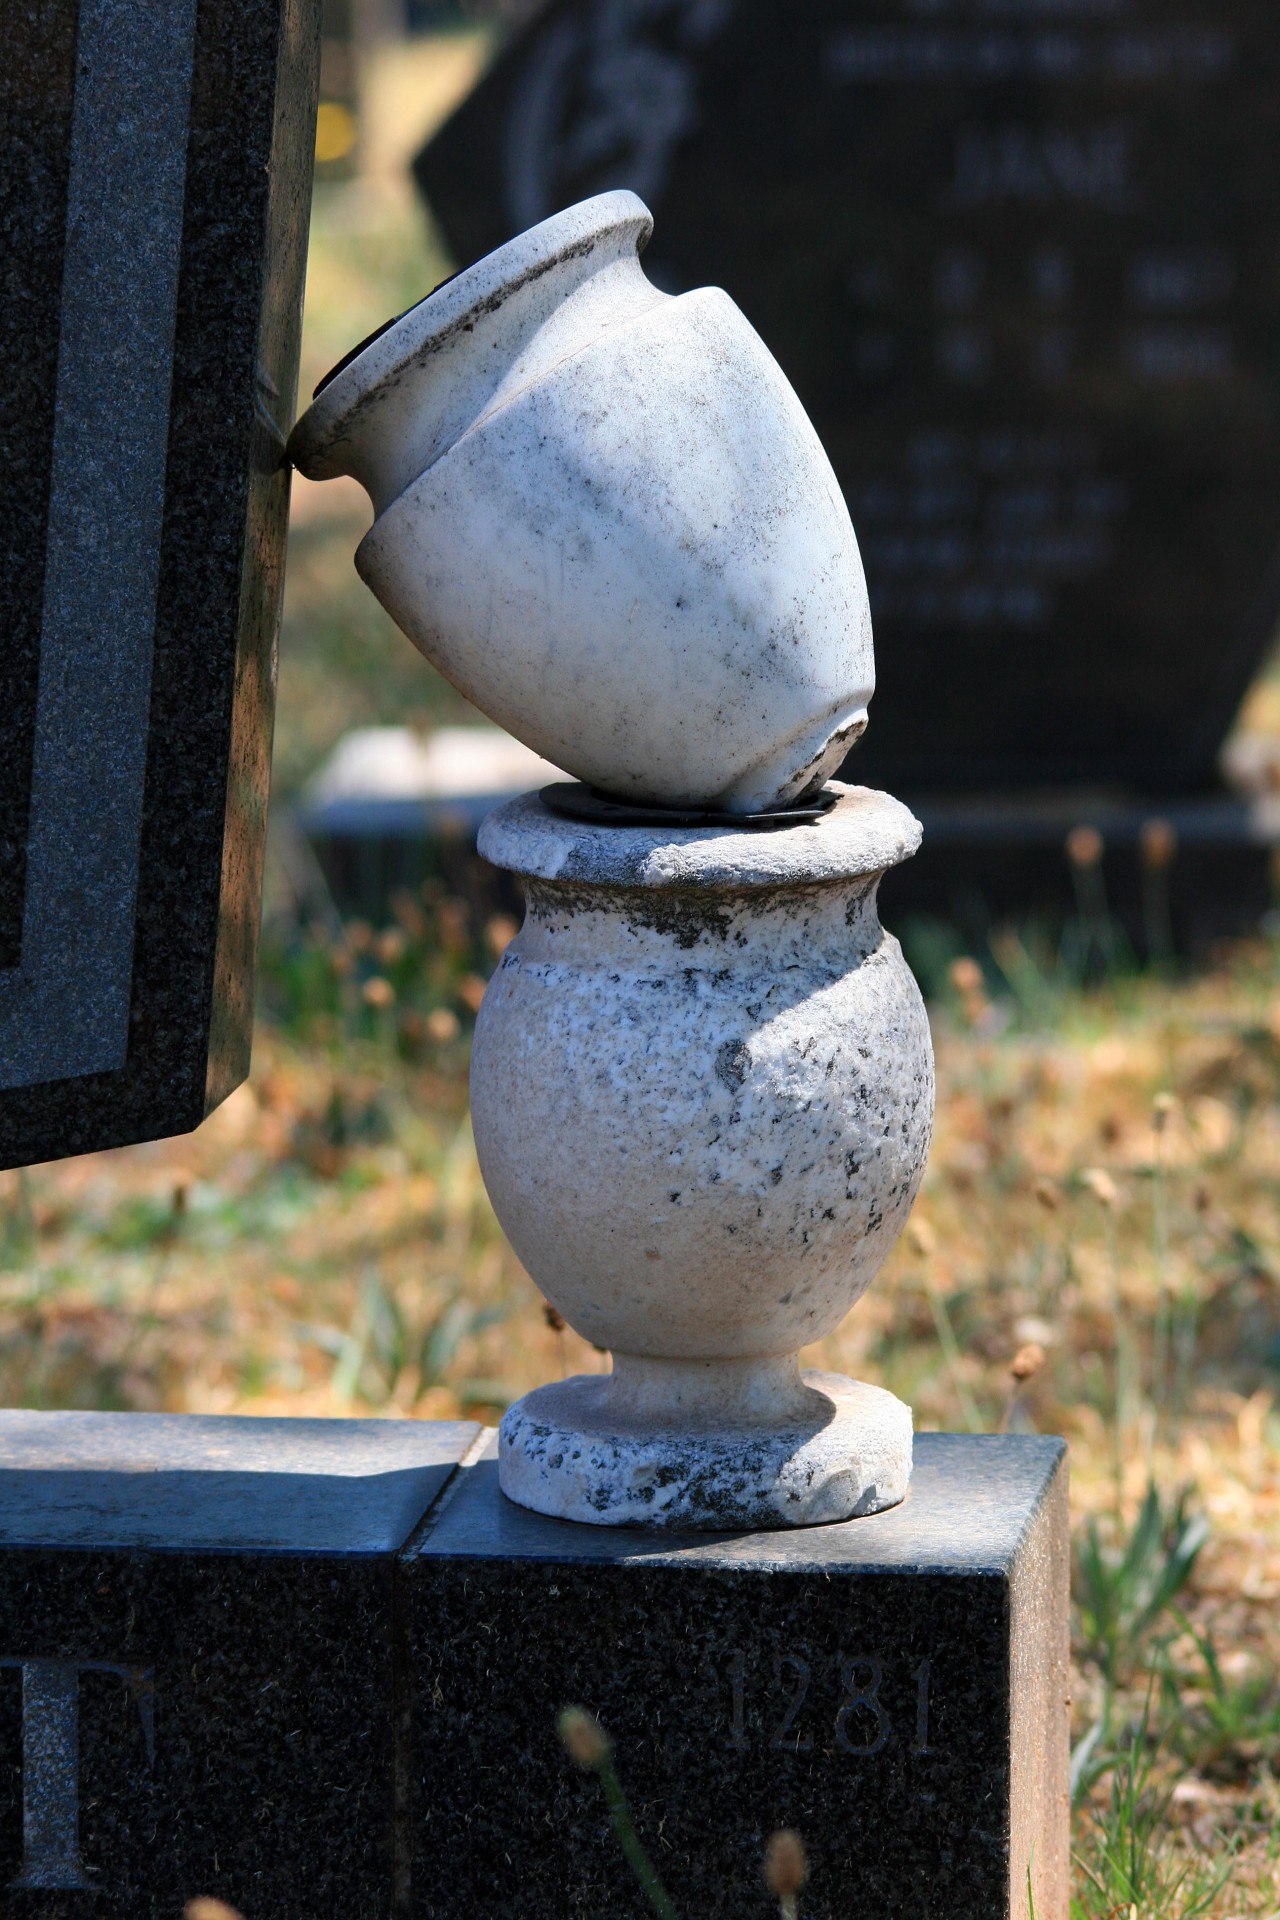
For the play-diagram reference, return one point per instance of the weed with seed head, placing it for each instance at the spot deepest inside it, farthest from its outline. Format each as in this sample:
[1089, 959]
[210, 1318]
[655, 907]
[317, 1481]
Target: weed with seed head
[785, 1865]
[785, 1871]
[1091, 945]
[589, 1747]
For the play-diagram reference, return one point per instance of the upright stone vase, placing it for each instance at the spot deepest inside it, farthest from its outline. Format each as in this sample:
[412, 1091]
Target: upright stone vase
[702, 1090]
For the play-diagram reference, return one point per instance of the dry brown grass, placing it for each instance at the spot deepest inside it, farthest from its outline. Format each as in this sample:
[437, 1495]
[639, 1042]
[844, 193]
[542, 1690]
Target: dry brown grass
[1104, 1189]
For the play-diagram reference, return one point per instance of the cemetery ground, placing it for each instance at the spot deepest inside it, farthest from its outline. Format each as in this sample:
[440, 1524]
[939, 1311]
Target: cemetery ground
[1096, 1251]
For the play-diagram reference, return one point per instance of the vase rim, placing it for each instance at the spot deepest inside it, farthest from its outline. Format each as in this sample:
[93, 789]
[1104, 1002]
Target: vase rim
[449, 308]
[865, 833]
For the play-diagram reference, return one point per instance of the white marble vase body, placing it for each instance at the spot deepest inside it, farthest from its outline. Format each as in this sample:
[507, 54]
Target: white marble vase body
[604, 515]
[702, 1093]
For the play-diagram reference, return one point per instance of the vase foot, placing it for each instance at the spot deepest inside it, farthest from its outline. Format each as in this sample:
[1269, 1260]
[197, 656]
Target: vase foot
[571, 1451]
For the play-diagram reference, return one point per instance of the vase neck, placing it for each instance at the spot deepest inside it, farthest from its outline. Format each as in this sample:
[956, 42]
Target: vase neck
[817, 928]
[688, 1394]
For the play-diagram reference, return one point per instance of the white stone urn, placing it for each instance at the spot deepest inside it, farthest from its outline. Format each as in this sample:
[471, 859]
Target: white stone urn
[603, 514]
[702, 1093]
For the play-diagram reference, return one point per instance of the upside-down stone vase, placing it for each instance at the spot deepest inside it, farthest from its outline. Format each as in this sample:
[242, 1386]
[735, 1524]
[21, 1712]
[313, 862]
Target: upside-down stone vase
[702, 1093]
[604, 515]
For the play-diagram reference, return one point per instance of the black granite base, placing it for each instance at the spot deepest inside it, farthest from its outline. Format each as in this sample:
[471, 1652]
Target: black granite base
[894, 1687]
[310, 1669]
[197, 1667]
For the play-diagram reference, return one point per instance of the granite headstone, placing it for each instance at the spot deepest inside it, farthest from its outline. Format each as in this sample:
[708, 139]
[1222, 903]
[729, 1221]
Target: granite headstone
[895, 1687]
[155, 181]
[314, 1667]
[1022, 265]
[199, 1678]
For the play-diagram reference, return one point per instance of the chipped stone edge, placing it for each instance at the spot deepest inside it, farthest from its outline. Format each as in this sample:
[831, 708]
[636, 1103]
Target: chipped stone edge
[561, 1455]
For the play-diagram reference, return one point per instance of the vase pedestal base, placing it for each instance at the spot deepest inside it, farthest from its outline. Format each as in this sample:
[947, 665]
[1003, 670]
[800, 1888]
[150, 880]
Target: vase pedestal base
[581, 1450]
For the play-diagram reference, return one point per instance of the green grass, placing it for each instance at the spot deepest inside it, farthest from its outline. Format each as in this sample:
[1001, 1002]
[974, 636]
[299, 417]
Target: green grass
[1128, 1577]
[1128, 1860]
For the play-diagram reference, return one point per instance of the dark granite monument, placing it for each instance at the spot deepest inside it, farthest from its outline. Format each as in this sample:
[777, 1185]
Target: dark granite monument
[306, 1668]
[1021, 266]
[895, 1687]
[155, 182]
[199, 1685]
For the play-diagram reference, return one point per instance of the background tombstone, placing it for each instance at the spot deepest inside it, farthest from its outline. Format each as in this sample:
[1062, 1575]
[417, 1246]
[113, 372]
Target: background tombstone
[155, 181]
[1024, 274]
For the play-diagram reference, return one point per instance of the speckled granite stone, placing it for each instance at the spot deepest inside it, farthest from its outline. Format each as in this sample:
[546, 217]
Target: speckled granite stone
[197, 1661]
[306, 1667]
[39, 66]
[861, 837]
[894, 1686]
[154, 191]
[604, 517]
